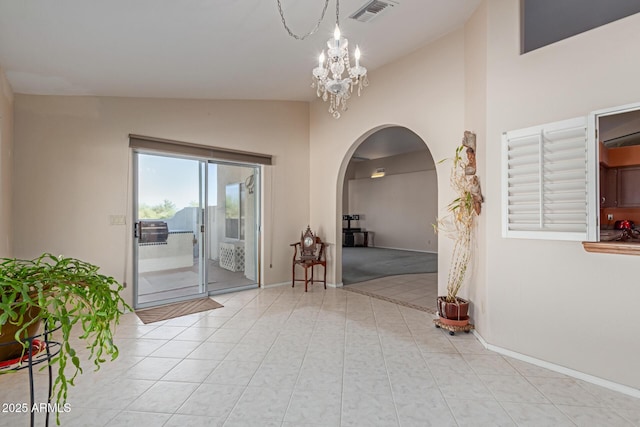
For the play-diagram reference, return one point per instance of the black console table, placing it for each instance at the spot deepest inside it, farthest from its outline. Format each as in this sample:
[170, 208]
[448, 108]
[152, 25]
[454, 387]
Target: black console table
[35, 355]
[349, 240]
[348, 233]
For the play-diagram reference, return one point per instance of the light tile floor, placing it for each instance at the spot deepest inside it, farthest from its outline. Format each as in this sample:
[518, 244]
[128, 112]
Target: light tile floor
[283, 357]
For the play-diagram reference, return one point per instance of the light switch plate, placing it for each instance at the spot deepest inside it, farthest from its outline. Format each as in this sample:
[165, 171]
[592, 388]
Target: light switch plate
[117, 220]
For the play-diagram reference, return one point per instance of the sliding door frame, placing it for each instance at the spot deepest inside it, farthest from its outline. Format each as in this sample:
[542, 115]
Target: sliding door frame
[204, 218]
[202, 177]
[258, 171]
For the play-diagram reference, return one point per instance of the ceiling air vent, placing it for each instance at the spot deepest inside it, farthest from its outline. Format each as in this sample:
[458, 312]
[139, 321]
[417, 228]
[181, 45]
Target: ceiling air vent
[371, 9]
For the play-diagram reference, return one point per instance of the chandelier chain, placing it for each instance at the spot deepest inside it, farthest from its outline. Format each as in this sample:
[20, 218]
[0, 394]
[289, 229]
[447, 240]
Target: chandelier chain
[304, 36]
[338, 13]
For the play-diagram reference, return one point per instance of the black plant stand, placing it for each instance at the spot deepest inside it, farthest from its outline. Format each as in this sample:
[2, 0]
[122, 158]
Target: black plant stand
[52, 348]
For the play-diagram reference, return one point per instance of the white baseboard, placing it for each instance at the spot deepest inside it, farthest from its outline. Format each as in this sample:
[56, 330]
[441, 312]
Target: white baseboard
[560, 369]
[273, 285]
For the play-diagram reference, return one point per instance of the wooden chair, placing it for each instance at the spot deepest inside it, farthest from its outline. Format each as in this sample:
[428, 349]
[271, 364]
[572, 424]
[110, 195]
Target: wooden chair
[307, 253]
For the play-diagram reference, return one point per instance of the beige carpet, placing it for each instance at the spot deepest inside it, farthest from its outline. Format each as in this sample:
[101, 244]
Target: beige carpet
[364, 264]
[171, 311]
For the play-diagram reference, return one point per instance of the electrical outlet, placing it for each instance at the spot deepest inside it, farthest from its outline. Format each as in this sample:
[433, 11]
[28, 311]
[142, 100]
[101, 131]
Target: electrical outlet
[609, 217]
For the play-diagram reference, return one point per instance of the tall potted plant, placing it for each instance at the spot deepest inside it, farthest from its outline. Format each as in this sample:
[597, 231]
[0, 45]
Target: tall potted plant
[459, 225]
[68, 294]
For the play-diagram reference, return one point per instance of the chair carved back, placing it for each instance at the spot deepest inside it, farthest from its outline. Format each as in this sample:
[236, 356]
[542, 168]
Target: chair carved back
[311, 247]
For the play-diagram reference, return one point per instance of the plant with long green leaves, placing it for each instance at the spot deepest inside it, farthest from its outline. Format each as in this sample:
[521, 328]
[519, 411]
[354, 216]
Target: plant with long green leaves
[458, 224]
[66, 293]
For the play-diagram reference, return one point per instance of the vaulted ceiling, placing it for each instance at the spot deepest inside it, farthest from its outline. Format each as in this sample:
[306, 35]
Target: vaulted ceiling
[214, 49]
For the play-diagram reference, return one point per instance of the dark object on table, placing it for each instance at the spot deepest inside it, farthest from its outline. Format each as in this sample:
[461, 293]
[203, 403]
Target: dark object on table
[624, 224]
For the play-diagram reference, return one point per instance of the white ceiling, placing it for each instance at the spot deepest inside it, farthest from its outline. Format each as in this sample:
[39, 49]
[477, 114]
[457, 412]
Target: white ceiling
[620, 130]
[389, 142]
[214, 49]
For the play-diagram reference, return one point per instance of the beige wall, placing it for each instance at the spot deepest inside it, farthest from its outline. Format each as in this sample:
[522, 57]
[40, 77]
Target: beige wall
[6, 166]
[402, 163]
[72, 170]
[475, 51]
[429, 102]
[395, 207]
[550, 299]
[349, 174]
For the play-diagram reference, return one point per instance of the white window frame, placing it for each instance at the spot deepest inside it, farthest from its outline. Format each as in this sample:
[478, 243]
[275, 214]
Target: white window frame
[592, 188]
[593, 121]
[534, 142]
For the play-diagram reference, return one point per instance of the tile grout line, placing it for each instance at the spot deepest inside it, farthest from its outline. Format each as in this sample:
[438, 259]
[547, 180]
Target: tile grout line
[344, 356]
[386, 368]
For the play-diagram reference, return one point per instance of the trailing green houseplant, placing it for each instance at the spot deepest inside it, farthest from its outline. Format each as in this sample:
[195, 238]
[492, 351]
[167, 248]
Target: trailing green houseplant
[459, 222]
[67, 293]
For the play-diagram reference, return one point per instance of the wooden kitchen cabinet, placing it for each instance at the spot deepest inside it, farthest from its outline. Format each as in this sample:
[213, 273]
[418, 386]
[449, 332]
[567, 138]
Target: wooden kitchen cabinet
[609, 187]
[620, 187]
[628, 191]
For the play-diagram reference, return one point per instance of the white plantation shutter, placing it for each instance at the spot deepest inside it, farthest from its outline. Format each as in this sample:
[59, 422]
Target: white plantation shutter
[546, 182]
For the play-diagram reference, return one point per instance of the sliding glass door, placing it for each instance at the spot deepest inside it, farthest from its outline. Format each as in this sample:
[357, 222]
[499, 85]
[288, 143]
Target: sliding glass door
[232, 232]
[196, 228]
[169, 229]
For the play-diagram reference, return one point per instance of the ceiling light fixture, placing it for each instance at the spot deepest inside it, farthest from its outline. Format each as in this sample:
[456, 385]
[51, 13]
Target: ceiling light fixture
[330, 80]
[379, 173]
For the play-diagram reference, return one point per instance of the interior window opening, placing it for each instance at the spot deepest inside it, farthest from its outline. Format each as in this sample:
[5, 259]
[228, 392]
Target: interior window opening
[619, 170]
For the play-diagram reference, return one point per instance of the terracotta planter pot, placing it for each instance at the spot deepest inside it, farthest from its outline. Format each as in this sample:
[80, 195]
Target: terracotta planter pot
[451, 322]
[7, 336]
[454, 311]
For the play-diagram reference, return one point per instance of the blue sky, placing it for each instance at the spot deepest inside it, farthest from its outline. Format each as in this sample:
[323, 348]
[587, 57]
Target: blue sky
[175, 179]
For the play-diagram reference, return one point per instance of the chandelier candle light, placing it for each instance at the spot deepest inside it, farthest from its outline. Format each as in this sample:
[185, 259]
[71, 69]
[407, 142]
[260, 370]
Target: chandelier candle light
[328, 78]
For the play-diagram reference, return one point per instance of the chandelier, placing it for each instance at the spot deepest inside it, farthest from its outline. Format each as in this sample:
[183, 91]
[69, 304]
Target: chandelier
[334, 78]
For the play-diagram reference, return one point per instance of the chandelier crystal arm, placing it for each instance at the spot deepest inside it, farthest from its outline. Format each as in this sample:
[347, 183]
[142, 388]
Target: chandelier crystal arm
[304, 36]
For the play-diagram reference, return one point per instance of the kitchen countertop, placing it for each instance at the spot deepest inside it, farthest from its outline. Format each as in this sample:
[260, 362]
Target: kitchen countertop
[608, 235]
[611, 243]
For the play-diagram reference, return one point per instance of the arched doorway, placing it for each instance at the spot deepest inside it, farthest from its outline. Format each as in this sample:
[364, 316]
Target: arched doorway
[388, 205]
